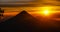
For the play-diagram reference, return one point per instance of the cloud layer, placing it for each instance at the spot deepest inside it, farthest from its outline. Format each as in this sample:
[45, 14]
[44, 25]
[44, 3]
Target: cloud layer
[29, 2]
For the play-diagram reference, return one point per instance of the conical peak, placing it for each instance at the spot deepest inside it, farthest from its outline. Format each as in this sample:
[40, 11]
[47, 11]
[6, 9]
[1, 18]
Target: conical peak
[23, 12]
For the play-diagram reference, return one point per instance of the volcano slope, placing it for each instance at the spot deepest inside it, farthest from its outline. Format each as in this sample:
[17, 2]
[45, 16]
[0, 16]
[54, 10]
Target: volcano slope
[23, 22]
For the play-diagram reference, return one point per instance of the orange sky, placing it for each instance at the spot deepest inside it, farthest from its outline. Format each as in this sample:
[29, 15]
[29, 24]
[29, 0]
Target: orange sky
[16, 10]
[30, 9]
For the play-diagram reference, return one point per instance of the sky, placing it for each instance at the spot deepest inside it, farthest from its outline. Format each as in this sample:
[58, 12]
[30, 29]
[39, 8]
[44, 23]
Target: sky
[12, 7]
[29, 5]
[29, 2]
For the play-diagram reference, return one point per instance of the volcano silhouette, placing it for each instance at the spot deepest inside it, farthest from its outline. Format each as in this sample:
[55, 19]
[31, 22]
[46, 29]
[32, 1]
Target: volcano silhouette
[23, 22]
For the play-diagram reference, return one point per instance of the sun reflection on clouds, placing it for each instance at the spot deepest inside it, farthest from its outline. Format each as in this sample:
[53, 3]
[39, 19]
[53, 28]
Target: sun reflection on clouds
[47, 10]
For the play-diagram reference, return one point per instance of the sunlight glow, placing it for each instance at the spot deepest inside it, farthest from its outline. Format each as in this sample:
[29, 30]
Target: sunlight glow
[46, 10]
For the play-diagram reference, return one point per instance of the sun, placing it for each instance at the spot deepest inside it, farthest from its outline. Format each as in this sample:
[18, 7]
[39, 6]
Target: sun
[46, 10]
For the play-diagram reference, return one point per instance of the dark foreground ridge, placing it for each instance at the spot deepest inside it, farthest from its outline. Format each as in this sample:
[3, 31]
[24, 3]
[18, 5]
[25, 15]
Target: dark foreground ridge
[23, 22]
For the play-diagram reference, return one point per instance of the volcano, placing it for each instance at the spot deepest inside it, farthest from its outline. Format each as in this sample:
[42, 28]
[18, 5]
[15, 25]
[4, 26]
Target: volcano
[22, 22]
[25, 22]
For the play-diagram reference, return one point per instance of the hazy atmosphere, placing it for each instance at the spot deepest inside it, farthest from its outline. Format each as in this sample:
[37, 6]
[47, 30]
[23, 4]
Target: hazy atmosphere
[30, 15]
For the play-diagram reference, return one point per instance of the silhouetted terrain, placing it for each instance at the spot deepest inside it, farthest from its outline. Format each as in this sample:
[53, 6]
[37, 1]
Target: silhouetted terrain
[23, 22]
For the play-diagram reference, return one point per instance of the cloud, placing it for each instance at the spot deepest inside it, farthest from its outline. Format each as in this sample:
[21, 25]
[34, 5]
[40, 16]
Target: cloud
[29, 2]
[16, 0]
